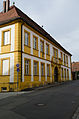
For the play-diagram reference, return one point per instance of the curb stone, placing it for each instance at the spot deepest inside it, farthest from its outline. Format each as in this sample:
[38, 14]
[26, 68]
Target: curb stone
[52, 85]
[76, 114]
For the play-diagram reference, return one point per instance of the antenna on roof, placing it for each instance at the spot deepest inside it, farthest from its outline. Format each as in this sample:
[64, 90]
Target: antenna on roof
[13, 3]
[42, 26]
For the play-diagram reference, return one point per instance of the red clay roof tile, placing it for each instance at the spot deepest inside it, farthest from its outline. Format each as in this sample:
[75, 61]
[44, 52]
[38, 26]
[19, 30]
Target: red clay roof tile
[15, 13]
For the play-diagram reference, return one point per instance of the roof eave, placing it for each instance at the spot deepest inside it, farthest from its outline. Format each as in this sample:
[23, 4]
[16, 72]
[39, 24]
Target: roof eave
[17, 18]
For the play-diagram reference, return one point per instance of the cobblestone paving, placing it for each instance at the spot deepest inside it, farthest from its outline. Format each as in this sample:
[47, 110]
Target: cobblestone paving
[76, 114]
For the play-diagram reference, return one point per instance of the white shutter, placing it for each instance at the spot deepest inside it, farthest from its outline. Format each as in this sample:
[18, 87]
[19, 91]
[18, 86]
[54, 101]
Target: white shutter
[5, 67]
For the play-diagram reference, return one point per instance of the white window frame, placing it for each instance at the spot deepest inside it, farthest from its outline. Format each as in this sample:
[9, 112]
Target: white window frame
[35, 42]
[42, 69]
[5, 67]
[6, 35]
[42, 46]
[47, 49]
[35, 68]
[48, 70]
[26, 67]
[26, 38]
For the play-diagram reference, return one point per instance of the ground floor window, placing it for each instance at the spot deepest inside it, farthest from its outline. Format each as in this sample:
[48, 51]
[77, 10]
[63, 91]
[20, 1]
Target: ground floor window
[67, 74]
[35, 68]
[61, 72]
[48, 70]
[27, 67]
[42, 69]
[5, 67]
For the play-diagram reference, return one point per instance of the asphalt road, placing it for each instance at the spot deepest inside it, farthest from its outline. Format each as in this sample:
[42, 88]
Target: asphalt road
[53, 103]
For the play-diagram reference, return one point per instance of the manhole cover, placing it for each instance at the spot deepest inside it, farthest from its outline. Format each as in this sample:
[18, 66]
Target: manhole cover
[41, 105]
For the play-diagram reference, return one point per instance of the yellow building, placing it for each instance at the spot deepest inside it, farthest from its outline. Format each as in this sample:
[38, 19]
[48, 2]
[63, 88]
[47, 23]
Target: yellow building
[41, 59]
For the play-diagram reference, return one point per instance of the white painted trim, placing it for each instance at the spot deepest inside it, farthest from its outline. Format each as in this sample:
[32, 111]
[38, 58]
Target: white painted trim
[11, 56]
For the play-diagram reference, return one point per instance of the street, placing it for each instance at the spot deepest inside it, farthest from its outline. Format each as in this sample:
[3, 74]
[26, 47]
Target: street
[52, 103]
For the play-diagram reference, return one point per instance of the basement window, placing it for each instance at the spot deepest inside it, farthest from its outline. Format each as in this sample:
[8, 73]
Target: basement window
[4, 88]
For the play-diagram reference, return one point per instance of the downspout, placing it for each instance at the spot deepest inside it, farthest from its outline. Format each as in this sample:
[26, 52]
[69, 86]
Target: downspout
[21, 50]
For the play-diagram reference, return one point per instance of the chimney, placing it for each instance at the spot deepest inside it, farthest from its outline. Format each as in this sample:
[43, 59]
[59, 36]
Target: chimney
[4, 6]
[7, 5]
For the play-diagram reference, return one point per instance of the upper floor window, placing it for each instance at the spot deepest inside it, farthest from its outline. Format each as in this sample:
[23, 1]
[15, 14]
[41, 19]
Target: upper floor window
[64, 58]
[35, 40]
[26, 67]
[42, 46]
[53, 52]
[27, 38]
[61, 56]
[47, 49]
[6, 37]
[56, 53]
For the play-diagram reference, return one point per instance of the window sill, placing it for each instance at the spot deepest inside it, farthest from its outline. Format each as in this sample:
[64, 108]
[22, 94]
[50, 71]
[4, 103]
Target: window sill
[35, 75]
[27, 75]
[27, 46]
[48, 54]
[5, 45]
[42, 75]
[4, 75]
[42, 52]
[35, 49]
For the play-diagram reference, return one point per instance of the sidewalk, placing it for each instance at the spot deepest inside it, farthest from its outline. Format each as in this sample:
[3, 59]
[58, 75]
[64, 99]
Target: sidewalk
[76, 114]
[52, 85]
[8, 94]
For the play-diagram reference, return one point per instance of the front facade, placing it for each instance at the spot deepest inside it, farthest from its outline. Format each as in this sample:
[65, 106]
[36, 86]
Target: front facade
[41, 61]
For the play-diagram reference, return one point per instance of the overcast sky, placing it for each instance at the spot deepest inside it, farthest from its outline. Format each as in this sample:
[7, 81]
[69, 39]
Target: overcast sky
[60, 19]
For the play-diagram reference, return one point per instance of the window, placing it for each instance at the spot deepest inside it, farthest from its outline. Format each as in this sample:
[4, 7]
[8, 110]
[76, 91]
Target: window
[56, 53]
[47, 49]
[6, 37]
[53, 52]
[62, 72]
[35, 68]
[61, 55]
[42, 69]
[67, 74]
[64, 58]
[42, 46]
[5, 69]
[27, 35]
[35, 42]
[48, 70]
[26, 67]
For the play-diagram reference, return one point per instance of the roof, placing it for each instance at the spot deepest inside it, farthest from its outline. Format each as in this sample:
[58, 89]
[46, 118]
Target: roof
[15, 13]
